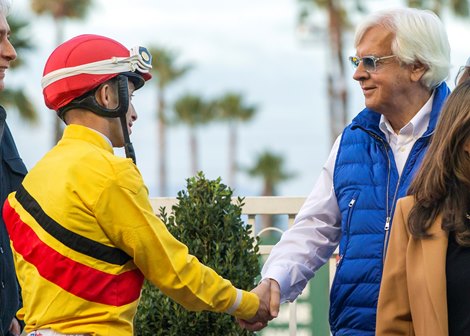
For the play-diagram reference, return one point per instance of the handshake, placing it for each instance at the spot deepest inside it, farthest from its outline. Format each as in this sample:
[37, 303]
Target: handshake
[269, 294]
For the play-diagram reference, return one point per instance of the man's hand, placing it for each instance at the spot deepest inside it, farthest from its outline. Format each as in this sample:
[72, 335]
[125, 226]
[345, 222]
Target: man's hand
[15, 328]
[269, 294]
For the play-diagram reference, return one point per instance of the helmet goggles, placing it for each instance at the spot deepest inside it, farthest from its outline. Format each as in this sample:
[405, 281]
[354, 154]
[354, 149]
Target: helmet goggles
[139, 60]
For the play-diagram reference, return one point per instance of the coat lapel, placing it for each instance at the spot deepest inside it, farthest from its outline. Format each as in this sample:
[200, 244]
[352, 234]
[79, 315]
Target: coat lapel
[434, 256]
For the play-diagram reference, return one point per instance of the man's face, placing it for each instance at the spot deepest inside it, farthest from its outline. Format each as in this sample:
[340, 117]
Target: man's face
[7, 52]
[390, 86]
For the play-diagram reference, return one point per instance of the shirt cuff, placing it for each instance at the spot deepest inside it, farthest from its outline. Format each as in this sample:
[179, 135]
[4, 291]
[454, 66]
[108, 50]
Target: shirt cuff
[280, 275]
[245, 305]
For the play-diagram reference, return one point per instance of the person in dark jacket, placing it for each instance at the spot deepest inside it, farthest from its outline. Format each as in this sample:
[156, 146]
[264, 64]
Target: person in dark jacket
[402, 61]
[12, 171]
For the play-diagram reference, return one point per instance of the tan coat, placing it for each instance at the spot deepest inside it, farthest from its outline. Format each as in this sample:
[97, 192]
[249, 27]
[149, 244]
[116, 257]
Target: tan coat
[413, 298]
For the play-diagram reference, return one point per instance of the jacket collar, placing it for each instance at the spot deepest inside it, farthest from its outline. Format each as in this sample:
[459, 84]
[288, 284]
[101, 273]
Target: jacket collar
[370, 120]
[3, 117]
[79, 132]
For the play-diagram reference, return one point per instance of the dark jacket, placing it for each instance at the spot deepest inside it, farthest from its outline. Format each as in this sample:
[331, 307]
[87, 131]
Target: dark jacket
[12, 172]
[367, 186]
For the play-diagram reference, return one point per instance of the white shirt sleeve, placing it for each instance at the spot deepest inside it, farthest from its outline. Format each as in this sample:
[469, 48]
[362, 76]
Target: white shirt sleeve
[311, 241]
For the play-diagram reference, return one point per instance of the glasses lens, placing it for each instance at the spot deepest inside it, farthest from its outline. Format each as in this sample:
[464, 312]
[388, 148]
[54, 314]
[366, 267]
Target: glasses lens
[354, 61]
[369, 63]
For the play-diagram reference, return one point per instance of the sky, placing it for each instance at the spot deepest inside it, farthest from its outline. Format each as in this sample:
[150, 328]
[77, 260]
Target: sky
[248, 46]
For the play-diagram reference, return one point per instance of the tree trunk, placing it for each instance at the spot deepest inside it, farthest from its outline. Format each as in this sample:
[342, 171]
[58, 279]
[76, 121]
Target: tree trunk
[194, 155]
[232, 154]
[267, 220]
[336, 78]
[162, 174]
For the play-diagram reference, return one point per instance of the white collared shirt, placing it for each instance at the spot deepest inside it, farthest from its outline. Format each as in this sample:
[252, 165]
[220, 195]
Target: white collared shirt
[402, 142]
[308, 245]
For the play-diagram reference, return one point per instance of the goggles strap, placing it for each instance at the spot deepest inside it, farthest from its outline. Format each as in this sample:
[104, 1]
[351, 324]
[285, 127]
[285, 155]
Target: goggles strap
[88, 101]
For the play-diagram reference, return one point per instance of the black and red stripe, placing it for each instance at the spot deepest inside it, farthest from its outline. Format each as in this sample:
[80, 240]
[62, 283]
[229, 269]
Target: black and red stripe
[78, 279]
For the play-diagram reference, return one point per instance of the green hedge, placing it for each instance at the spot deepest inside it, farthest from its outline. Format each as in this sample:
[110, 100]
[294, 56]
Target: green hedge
[211, 226]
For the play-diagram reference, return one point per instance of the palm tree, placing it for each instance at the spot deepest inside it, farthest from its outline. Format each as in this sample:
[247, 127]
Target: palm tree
[193, 111]
[61, 10]
[336, 74]
[232, 109]
[16, 97]
[270, 167]
[166, 72]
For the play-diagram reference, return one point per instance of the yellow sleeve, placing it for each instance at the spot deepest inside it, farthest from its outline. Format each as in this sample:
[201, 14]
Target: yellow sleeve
[394, 312]
[125, 213]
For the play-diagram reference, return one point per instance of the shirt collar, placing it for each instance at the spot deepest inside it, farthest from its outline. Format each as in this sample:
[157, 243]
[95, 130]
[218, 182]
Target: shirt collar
[75, 131]
[104, 136]
[415, 127]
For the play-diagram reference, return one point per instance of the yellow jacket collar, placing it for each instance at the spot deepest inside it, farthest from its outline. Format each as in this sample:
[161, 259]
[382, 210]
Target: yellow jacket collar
[79, 132]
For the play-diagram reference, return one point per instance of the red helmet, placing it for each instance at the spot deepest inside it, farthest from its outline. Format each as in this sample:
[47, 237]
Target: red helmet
[86, 61]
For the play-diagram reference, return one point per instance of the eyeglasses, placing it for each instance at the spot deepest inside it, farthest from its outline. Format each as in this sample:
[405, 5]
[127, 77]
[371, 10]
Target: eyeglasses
[464, 71]
[139, 60]
[369, 62]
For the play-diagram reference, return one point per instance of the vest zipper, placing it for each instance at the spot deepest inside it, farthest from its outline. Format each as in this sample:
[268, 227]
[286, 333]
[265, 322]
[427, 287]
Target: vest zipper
[387, 235]
[348, 222]
[388, 210]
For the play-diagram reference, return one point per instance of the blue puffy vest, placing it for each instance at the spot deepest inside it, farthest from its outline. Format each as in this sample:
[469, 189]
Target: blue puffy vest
[367, 187]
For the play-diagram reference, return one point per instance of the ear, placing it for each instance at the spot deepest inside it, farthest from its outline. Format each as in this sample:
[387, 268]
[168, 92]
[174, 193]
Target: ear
[104, 95]
[417, 71]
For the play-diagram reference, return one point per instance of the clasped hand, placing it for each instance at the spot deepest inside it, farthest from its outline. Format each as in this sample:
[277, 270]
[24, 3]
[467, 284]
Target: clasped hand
[269, 295]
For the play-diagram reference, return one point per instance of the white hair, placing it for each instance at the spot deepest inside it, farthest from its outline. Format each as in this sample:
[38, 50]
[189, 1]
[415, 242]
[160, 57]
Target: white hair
[420, 36]
[5, 7]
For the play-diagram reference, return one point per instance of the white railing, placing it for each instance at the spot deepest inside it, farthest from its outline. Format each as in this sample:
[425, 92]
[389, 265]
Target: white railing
[256, 206]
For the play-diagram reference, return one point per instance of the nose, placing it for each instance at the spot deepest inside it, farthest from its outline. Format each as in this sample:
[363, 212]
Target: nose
[134, 115]
[7, 50]
[360, 73]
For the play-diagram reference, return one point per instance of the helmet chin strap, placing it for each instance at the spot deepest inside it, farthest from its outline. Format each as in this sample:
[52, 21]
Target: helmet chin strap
[89, 102]
[128, 147]
[123, 101]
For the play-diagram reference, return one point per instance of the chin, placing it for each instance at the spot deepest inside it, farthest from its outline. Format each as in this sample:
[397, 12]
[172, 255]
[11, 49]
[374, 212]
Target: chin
[371, 106]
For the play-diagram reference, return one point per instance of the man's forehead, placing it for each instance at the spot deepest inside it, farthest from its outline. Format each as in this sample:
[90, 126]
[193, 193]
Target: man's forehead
[4, 26]
[375, 41]
[378, 34]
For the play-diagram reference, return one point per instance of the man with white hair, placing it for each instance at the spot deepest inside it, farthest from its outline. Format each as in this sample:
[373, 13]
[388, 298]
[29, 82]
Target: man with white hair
[402, 60]
[12, 171]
